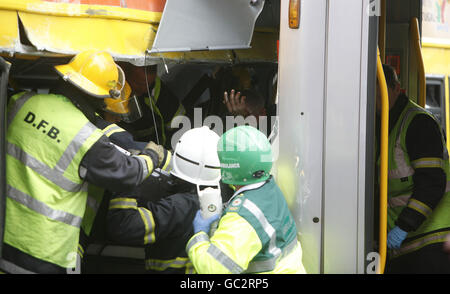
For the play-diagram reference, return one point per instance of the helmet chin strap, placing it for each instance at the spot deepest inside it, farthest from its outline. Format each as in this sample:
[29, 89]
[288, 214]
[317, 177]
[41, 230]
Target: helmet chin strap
[115, 93]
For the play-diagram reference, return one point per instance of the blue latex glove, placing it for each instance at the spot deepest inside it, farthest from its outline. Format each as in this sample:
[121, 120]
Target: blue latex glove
[395, 238]
[201, 224]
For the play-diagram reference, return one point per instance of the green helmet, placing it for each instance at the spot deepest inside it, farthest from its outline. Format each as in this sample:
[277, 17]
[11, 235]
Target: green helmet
[245, 156]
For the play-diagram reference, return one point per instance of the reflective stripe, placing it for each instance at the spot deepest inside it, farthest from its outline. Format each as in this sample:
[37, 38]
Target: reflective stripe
[398, 201]
[400, 173]
[11, 268]
[75, 145]
[224, 260]
[18, 105]
[447, 187]
[269, 264]
[56, 174]
[189, 268]
[161, 265]
[421, 242]
[167, 166]
[111, 129]
[202, 237]
[403, 168]
[420, 207]
[44, 170]
[270, 231]
[429, 162]
[408, 113]
[80, 251]
[66, 158]
[92, 203]
[149, 223]
[42, 208]
[123, 203]
[146, 163]
[246, 188]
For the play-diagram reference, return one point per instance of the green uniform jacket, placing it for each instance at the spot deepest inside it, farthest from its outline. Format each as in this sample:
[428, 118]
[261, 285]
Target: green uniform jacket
[256, 234]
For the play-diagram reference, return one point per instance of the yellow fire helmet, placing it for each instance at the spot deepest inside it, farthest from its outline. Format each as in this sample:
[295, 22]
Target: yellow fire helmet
[95, 73]
[126, 106]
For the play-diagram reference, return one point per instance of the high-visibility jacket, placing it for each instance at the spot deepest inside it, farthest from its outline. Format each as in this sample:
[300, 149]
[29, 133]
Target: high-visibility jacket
[46, 198]
[256, 234]
[48, 143]
[400, 187]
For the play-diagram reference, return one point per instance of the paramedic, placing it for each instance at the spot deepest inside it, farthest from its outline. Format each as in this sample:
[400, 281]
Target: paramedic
[256, 233]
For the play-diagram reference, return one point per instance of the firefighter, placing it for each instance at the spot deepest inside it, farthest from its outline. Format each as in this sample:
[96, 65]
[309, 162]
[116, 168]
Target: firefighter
[165, 226]
[418, 193]
[116, 111]
[160, 105]
[256, 233]
[54, 151]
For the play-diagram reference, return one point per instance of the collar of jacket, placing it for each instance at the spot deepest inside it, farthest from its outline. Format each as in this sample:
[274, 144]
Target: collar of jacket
[249, 187]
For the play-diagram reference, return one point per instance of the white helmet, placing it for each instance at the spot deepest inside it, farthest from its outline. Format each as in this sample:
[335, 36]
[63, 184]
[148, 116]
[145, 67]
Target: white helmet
[195, 157]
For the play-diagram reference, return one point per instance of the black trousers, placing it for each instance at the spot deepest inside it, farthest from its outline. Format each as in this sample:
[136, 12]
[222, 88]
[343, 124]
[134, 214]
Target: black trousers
[430, 259]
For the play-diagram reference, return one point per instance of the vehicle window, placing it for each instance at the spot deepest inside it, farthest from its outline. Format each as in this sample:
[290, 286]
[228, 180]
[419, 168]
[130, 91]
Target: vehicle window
[435, 99]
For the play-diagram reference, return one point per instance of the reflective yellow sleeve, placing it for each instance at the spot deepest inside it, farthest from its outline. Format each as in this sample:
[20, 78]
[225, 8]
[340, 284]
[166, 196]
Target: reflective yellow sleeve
[428, 162]
[147, 165]
[233, 245]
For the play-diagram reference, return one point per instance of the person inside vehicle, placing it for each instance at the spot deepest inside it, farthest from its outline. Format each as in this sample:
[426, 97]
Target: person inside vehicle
[247, 100]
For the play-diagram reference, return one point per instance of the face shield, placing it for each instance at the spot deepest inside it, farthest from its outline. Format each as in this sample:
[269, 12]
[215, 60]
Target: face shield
[125, 106]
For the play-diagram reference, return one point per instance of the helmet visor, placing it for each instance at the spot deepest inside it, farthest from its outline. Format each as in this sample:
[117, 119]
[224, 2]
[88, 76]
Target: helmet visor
[127, 109]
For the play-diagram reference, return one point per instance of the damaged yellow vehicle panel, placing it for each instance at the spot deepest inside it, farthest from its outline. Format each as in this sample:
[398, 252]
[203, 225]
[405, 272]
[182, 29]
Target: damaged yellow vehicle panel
[53, 28]
[67, 28]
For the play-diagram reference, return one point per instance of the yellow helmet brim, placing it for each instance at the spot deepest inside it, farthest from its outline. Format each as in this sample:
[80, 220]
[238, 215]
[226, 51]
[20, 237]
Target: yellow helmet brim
[68, 73]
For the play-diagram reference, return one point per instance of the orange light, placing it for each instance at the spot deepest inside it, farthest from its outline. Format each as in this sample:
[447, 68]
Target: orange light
[394, 61]
[294, 14]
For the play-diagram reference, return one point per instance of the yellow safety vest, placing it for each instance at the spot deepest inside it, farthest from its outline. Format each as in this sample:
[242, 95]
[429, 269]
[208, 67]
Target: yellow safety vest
[47, 138]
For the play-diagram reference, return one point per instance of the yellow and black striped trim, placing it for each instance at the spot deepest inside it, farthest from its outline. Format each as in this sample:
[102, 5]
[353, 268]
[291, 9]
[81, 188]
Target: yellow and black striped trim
[419, 243]
[162, 264]
[149, 223]
[420, 207]
[123, 203]
[428, 162]
[112, 129]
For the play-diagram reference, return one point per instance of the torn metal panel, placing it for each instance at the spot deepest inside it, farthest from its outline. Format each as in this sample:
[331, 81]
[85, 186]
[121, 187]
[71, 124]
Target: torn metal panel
[190, 25]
